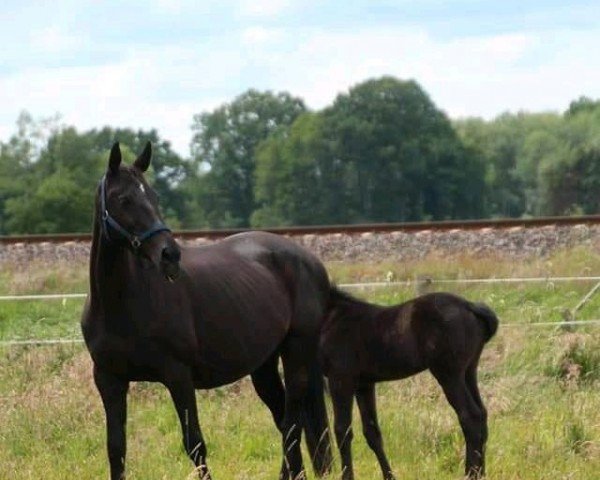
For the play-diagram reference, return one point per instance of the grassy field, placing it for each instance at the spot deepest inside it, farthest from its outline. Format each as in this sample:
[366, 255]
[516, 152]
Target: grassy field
[541, 385]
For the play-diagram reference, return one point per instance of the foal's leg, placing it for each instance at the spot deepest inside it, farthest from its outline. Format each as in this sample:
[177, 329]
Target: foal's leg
[179, 381]
[471, 381]
[113, 392]
[342, 395]
[470, 416]
[365, 397]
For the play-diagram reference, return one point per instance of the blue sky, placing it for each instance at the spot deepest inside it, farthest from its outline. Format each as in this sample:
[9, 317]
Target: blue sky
[156, 63]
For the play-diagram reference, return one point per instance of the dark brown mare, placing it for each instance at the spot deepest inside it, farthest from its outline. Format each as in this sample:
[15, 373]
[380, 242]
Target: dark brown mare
[362, 344]
[197, 318]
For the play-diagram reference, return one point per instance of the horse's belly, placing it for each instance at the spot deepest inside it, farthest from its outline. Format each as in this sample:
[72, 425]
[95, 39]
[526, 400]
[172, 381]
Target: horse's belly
[388, 374]
[133, 359]
[207, 379]
[226, 355]
[392, 361]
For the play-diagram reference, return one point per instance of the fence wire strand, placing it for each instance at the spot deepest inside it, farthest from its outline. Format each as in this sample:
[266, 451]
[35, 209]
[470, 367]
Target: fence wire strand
[426, 280]
[399, 283]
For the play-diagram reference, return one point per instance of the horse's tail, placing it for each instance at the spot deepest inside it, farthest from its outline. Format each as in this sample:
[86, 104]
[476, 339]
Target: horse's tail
[316, 424]
[487, 315]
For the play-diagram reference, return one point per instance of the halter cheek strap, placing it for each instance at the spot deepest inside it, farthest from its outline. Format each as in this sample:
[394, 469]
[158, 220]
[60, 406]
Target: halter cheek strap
[108, 223]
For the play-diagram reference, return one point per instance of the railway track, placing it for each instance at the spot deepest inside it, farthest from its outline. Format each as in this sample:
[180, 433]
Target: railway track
[346, 229]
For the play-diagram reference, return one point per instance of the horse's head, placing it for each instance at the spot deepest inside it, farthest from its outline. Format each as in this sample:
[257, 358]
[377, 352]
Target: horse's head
[130, 216]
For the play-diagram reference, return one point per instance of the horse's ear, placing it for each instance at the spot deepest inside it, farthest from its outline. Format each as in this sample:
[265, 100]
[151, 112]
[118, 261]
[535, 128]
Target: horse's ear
[115, 158]
[143, 161]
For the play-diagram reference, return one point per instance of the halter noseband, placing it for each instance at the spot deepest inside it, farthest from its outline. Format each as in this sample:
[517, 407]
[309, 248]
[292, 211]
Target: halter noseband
[135, 239]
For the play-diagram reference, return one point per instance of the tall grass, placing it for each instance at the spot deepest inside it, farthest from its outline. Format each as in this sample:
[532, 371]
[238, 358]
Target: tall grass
[541, 386]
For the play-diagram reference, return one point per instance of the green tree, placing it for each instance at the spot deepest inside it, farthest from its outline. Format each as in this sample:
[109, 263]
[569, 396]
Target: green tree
[296, 184]
[512, 147]
[61, 184]
[401, 156]
[582, 104]
[380, 153]
[569, 175]
[61, 177]
[17, 160]
[223, 146]
[498, 145]
[58, 204]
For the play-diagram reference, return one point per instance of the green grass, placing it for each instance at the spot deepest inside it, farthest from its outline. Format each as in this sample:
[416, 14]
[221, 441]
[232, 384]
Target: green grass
[21, 320]
[541, 386]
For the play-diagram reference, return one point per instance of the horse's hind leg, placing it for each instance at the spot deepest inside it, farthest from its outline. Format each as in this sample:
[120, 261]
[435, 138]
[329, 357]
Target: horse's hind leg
[470, 416]
[365, 397]
[316, 426]
[296, 375]
[269, 387]
[113, 392]
[472, 386]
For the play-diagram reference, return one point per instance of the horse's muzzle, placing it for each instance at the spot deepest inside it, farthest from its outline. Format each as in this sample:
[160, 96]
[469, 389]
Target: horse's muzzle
[169, 262]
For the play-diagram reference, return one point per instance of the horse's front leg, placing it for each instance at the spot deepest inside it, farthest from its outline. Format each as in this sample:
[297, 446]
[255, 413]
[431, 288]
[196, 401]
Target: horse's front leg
[342, 395]
[113, 391]
[179, 381]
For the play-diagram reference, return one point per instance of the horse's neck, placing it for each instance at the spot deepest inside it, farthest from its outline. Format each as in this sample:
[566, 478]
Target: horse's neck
[110, 269]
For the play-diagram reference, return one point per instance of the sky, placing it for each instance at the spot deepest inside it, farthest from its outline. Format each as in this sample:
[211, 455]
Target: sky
[157, 63]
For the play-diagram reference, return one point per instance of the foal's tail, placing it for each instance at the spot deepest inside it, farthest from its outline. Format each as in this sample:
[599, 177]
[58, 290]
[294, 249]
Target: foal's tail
[316, 424]
[487, 315]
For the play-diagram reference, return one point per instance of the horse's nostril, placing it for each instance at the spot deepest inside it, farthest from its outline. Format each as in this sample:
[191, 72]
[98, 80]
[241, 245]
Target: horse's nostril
[171, 254]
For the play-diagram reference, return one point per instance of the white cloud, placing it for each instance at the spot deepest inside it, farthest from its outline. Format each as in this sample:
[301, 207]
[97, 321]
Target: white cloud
[159, 89]
[468, 76]
[163, 87]
[52, 39]
[258, 35]
[262, 8]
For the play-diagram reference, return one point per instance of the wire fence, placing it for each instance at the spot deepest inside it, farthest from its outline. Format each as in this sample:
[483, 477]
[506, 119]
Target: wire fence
[420, 284]
[400, 283]
[46, 296]
[446, 281]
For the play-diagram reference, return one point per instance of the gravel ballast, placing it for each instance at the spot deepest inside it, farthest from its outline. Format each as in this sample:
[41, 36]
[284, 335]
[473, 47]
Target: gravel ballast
[517, 242]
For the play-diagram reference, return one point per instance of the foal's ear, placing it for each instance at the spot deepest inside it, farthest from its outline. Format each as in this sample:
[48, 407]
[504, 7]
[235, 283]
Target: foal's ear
[114, 159]
[143, 161]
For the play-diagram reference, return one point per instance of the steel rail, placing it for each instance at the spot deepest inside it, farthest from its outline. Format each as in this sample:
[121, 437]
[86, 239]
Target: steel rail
[444, 225]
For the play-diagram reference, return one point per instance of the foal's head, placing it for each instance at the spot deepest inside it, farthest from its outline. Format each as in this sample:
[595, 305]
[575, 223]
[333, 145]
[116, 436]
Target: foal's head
[130, 216]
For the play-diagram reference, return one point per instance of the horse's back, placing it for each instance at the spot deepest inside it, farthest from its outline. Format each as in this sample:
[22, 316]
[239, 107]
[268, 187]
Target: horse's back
[448, 328]
[301, 272]
[258, 245]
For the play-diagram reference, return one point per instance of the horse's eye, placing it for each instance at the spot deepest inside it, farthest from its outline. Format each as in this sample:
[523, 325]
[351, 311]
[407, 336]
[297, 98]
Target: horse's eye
[124, 199]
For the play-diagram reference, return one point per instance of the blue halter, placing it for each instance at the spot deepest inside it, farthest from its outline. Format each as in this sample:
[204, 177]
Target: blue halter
[108, 222]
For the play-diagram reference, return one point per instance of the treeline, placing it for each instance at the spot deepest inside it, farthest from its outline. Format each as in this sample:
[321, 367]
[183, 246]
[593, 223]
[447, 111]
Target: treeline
[383, 152]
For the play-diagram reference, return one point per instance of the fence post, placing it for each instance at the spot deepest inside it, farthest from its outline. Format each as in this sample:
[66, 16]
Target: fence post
[423, 285]
[569, 315]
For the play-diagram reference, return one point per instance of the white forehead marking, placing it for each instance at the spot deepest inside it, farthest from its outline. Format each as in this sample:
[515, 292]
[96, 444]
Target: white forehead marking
[142, 188]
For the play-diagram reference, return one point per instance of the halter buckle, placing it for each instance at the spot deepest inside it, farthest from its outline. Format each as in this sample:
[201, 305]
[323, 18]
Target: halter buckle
[135, 243]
